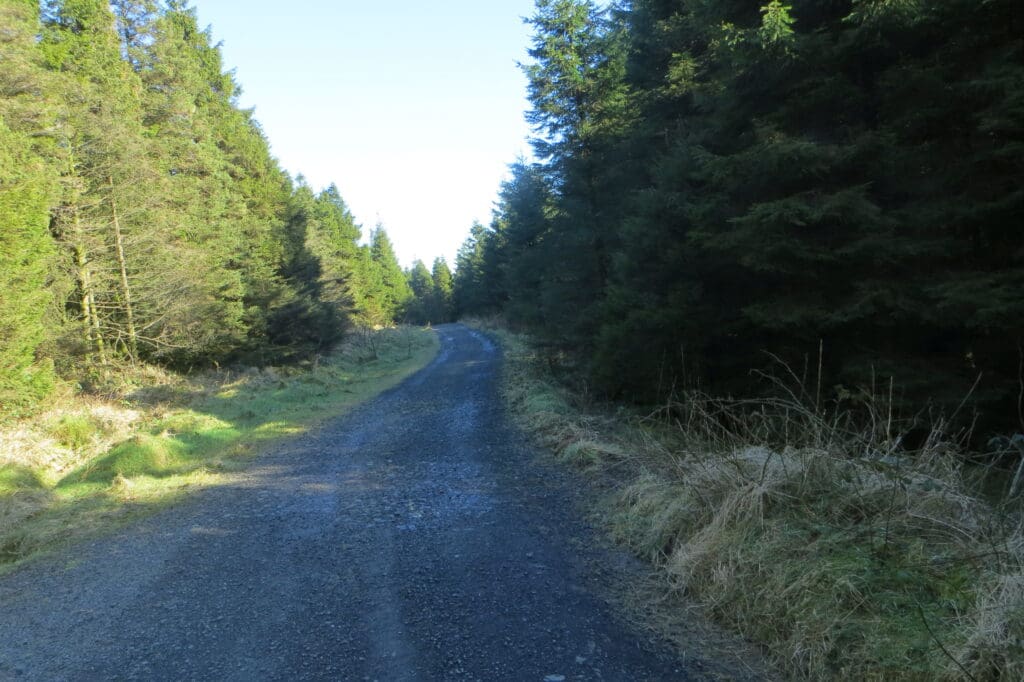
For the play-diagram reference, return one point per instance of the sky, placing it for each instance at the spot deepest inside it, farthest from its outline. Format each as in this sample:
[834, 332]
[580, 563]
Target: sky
[413, 109]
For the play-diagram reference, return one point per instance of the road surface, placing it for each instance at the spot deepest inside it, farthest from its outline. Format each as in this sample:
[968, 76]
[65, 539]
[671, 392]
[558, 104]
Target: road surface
[419, 537]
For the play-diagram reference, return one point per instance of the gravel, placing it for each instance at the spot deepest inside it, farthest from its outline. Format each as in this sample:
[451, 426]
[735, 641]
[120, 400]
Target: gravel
[420, 537]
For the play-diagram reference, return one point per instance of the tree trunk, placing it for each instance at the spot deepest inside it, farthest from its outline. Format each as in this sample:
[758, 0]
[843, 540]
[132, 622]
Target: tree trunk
[93, 334]
[126, 293]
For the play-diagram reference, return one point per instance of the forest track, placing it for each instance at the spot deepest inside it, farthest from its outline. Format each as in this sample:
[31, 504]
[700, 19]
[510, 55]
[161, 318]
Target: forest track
[419, 537]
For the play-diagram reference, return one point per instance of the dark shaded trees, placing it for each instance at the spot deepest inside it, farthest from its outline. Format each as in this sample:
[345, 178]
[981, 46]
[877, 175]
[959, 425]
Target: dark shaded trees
[470, 292]
[575, 84]
[723, 183]
[432, 296]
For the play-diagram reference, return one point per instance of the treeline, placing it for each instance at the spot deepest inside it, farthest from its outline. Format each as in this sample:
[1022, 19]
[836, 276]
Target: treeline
[430, 299]
[142, 217]
[726, 185]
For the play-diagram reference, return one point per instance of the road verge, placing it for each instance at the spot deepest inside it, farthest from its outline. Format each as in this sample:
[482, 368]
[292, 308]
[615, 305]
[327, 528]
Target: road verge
[811, 538]
[91, 464]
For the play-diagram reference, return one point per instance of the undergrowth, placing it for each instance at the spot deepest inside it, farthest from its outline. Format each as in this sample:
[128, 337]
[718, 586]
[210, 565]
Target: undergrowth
[91, 463]
[819, 537]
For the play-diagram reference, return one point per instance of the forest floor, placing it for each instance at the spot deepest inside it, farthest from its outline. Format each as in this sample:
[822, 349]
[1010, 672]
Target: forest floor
[418, 537]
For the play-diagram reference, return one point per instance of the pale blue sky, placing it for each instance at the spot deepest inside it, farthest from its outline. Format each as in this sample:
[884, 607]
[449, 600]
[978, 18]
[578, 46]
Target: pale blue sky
[414, 109]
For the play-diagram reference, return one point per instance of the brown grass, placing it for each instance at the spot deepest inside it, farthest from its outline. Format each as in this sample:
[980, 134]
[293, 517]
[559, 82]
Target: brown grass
[818, 536]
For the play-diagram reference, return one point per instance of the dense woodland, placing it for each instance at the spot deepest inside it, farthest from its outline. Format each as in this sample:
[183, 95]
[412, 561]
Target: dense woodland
[143, 219]
[728, 187]
[722, 187]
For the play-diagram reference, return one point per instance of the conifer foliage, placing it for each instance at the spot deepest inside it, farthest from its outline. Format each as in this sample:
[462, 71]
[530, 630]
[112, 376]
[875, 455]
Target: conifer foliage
[27, 191]
[724, 184]
[142, 217]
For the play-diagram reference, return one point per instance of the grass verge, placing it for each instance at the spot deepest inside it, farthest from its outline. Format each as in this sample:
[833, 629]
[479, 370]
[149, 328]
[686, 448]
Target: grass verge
[843, 556]
[90, 464]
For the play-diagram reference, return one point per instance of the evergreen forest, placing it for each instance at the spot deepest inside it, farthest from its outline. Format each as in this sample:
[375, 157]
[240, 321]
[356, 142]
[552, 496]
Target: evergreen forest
[144, 220]
[761, 281]
[728, 192]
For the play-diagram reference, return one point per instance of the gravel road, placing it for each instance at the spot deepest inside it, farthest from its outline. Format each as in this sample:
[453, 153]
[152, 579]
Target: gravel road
[419, 537]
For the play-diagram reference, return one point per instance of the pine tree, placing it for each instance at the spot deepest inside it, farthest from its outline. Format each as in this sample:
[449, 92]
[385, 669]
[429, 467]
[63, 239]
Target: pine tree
[576, 87]
[420, 308]
[524, 208]
[226, 200]
[316, 313]
[442, 304]
[101, 157]
[468, 292]
[27, 192]
[393, 291]
[337, 246]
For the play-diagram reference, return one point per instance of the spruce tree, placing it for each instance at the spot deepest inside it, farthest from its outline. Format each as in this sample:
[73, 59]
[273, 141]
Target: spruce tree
[442, 304]
[576, 87]
[393, 291]
[524, 208]
[101, 153]
[311, 319]
[420, 308]
[226, 199]
[27, 192]
[136, 20]
[468, 292]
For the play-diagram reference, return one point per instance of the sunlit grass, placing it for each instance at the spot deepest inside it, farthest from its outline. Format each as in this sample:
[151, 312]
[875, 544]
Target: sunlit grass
[84, 469]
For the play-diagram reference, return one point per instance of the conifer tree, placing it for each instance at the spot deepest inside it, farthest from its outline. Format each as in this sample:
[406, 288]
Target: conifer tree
[136, 20]
[524, 209]
[393, 292]
[101, 158]
[575, 85]
[442, 305]
[420, 308]
[782, 177]
[468, 292]
[372, 309]
[226, 199]
[311, 318]
[27, 191]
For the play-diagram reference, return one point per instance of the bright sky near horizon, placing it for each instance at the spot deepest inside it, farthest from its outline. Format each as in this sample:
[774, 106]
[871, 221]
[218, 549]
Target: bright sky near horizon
[413, 109]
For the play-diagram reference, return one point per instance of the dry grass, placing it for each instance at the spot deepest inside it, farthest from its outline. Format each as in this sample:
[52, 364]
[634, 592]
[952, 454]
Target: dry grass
[843, 555]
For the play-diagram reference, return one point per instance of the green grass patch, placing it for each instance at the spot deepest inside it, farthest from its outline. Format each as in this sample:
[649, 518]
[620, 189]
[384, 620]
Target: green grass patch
[192, 435]
[15, 478]
[74, 431]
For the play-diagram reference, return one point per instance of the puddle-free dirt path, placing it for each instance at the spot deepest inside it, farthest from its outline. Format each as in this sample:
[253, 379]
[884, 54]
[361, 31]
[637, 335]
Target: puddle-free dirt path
[417, 538]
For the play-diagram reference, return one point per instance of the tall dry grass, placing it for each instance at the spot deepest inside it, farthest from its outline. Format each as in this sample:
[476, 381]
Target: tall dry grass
[817, 534]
